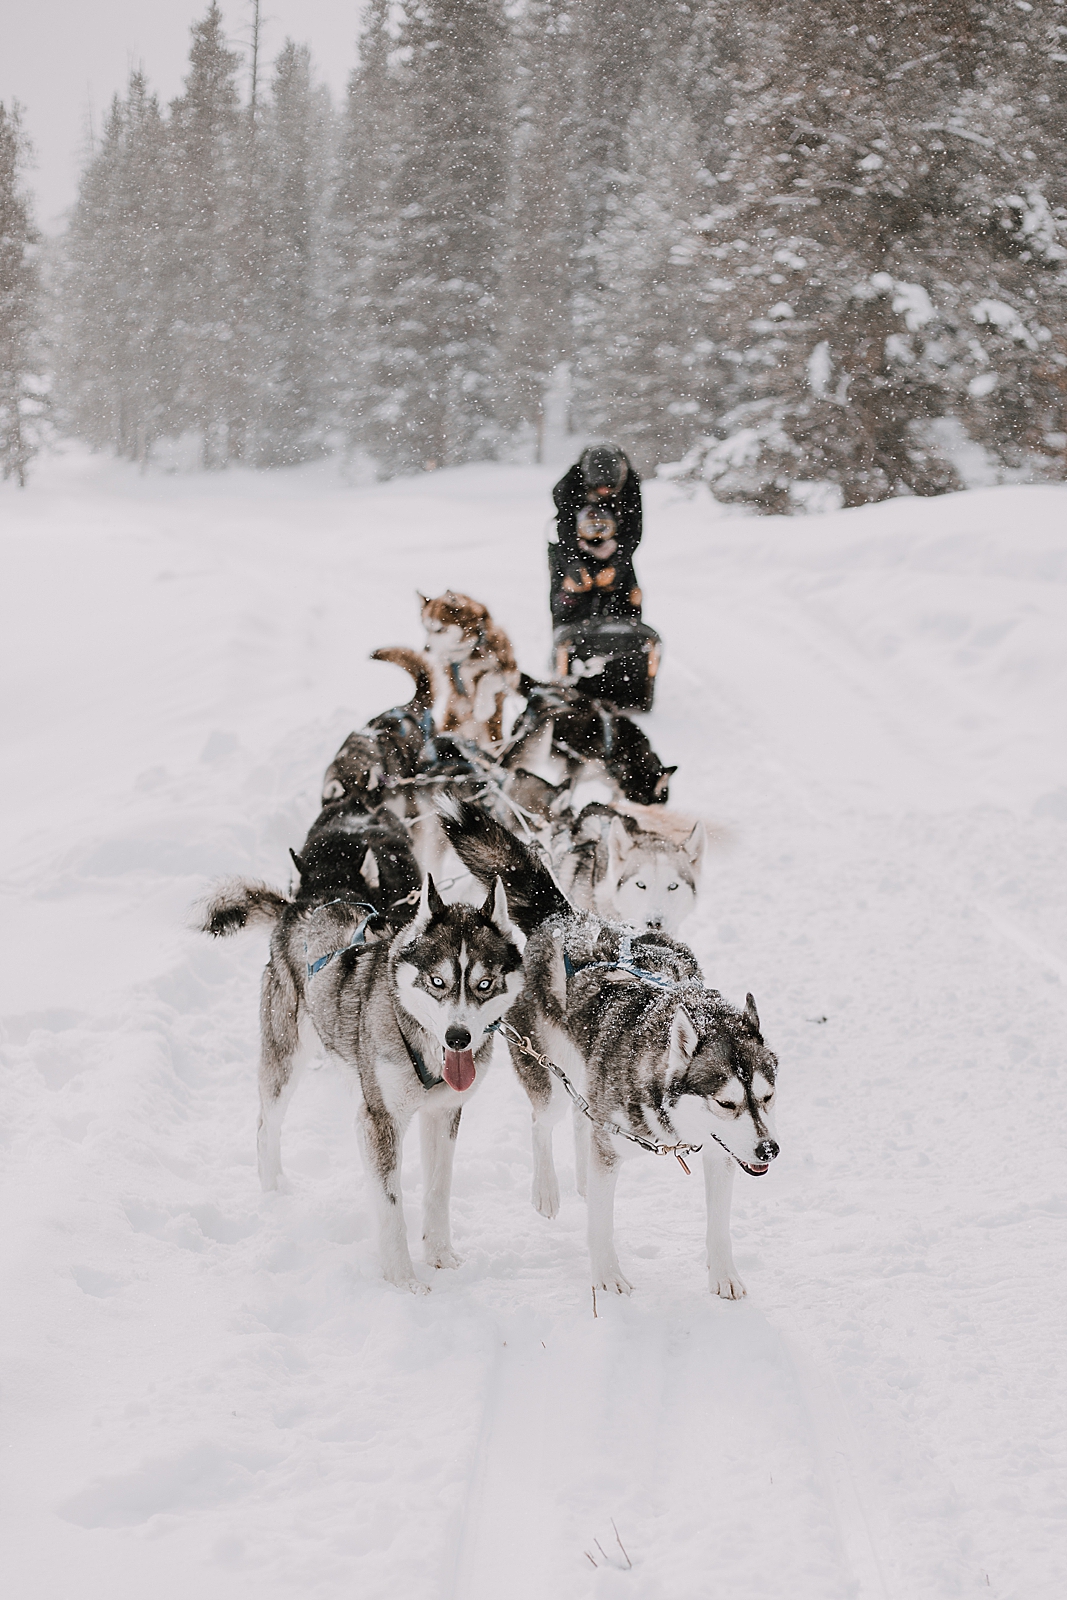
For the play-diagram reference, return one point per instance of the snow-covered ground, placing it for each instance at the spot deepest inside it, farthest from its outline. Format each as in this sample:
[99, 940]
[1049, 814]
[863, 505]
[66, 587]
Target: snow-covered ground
[212, 1392]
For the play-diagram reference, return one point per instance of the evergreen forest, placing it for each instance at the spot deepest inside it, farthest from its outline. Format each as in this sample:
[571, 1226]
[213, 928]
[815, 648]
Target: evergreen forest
[808, 254]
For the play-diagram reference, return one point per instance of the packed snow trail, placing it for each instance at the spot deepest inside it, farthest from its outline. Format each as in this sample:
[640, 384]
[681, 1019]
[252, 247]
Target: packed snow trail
[209, 1389]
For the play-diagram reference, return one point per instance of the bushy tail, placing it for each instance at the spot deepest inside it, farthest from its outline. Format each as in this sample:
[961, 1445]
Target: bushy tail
[236, 904]
[487, 849]
[417, 665]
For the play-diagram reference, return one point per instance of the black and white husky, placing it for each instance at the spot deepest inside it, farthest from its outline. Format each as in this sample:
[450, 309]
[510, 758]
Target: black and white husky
[411, 1012]
[606, 862]
[653, 1050]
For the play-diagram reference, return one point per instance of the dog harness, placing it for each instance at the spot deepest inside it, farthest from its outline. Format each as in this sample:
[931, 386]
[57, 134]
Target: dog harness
[624, 963]
[357, 941]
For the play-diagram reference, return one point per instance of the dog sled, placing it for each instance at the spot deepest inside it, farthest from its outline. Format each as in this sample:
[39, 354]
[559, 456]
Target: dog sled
[610, 658]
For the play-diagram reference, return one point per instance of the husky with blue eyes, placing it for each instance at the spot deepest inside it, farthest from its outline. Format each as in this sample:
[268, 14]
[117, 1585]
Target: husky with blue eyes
[410, 1011]
[608, 863]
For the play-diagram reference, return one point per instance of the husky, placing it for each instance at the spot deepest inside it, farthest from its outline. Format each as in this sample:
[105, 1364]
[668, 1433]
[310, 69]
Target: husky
[606, 862]
[353, 851]
[656, 1053]
[472, 663]
[410, 1011]
[562, 735]
[390, 745]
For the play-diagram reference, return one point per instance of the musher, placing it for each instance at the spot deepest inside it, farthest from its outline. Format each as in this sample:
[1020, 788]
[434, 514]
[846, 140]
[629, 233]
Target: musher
[598, 528]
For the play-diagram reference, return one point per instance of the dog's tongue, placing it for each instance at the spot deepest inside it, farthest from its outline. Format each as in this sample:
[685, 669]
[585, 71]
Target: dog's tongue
[459, 1069]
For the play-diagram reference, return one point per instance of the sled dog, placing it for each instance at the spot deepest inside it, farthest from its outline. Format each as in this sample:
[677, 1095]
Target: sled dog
[654, 1051]
[564, 736]
[410, 1012]
[606, 862]
[391, 743]
[473, 666]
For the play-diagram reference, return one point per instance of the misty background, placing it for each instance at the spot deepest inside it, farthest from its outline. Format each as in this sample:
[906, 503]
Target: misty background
[807, 256]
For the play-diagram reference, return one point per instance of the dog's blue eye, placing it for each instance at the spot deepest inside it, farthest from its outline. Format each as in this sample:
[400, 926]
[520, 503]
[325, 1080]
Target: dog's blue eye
[672, 886]
[486, 983]
[639, 885]
[437, 982]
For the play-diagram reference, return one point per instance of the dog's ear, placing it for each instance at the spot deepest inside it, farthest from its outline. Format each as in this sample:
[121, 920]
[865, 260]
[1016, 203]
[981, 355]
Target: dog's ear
[372, 781]
[751, 1014]
[424, 599]
[663, 782]
[619, 846]
[369, 870]
[684, 1040]
[334, 790]
[496, 911]
[694, 846]
[430, 905]
[297, 863]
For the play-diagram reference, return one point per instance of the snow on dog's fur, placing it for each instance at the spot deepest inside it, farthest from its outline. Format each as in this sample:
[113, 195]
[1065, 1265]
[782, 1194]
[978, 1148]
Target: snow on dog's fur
[606, 862]
[408, 1010]
[631, 1022]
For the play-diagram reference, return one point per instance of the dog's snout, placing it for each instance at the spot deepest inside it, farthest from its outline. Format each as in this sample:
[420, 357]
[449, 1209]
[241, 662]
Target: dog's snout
[458, 1038]
[766, 1150]
[655, 924]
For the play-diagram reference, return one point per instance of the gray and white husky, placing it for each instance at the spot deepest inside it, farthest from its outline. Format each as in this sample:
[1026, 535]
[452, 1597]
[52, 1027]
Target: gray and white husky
[606, 862]
[411, 1013]
[632, 1024]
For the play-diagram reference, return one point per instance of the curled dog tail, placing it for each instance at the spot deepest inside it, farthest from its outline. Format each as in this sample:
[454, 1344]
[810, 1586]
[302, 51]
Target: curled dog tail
[236, 904]
[487, 849]
[417, 665]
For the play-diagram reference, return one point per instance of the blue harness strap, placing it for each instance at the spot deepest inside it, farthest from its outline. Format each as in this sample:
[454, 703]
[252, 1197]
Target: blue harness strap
[624, 963]
[357, 941]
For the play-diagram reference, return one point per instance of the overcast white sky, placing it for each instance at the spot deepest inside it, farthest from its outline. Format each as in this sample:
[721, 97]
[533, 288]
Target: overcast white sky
[59, 57]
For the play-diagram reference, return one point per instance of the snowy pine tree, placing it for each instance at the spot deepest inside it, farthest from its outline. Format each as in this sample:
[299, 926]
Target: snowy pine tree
[883, 253]
[436, 282]
[20, 385]
[116, 353]
[543, 232]
[288, 180]
[358, 229]
[207, 267]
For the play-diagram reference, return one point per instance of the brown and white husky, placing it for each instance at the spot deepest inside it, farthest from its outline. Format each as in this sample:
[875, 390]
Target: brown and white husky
[474, 667]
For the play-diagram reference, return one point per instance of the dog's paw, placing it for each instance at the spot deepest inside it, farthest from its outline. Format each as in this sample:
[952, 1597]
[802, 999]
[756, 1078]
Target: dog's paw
[445, 1256]
[404, 1278]
[727, 1286]
[412, 1285]
[612, 1283]
[545, 1196]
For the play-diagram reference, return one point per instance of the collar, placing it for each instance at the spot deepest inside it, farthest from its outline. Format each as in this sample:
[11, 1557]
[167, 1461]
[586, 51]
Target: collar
[422, 1071]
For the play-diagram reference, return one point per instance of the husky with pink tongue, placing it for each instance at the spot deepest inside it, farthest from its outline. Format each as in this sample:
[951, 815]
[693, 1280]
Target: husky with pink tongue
[411, 1013]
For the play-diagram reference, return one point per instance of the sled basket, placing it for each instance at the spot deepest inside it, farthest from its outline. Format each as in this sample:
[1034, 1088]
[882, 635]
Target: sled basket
[611, 658]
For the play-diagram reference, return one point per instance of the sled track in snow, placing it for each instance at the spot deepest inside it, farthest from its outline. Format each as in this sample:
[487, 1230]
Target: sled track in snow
[717, 1426]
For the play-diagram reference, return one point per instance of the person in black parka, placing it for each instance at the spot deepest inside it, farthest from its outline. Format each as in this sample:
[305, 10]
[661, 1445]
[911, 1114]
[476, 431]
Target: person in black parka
[598, 528]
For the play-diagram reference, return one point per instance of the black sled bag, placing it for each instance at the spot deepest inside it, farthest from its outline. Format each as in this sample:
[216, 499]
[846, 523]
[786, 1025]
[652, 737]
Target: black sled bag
[611, 658]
